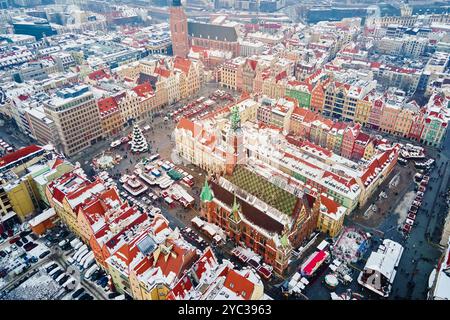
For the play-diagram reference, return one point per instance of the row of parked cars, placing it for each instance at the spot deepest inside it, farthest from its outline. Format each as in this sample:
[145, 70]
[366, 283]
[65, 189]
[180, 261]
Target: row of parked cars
[15, 257]
[84, 259]
[67, 282]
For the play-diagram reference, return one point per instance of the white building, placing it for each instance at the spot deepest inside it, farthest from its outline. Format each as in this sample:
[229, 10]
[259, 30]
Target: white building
[380, 270]
[440, 278]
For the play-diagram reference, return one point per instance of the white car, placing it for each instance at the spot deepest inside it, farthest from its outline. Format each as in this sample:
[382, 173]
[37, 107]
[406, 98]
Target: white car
[90, 271]
[60, 277]
[51, 273]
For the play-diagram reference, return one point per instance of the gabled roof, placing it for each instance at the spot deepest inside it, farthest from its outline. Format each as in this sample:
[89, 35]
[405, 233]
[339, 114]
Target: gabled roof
[162, 72]
[239, 284]
[57, 162]
[177, 260]
[182, 64]
[186, 124]
[212, 31]
[251, 213]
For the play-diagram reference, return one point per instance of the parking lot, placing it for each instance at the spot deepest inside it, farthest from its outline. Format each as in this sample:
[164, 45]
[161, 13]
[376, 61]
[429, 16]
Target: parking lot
[43, 268]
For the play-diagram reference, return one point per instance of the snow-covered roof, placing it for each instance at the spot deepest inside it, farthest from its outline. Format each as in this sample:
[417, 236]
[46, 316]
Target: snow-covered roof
[442, 284]
[42, 217]
[386, 259]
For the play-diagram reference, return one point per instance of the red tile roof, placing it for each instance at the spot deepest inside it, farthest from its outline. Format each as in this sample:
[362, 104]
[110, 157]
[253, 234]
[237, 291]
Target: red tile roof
[19, 154]
[143, 89]
[182, 64]
[176, 261]
[107, 105]
[186, 124]
[162, 72]
[239, 284]
[331, 205]
[98, 74]
[57, 162]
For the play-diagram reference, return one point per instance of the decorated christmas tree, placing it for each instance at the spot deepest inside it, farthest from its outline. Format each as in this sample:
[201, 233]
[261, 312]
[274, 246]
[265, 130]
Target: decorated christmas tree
[138, 142]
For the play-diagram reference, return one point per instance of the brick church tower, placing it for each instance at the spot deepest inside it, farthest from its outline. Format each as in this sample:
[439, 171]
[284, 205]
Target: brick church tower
[178, 30]
[235, 153]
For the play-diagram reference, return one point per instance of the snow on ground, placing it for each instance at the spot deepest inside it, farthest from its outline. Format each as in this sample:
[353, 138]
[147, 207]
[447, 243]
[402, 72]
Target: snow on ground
[38, 250]
[39, 287]
[403, 207]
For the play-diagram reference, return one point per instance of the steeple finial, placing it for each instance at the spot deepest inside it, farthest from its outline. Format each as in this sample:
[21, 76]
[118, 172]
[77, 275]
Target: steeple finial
[235, 119]
[206, 194]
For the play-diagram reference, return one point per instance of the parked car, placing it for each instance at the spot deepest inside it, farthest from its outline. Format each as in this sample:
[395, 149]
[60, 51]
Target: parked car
[63, 279]
[102, 279]
[3, 254]
[86, 296]
[44, 254]
[14, 240]
[103, 282]
[112, 295]
[77, 293]
[29, 246]
[34, 259]
[3, 273]
[96, 275]
[57, 274]
[50, 268]
[66, 247]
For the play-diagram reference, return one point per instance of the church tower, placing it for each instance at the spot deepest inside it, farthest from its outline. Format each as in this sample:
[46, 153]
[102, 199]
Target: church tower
[235, 140]
[178, 30]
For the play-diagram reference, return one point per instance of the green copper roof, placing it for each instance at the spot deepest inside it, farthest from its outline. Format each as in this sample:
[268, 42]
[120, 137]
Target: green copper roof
[235, 118]
[206, 194]
[234, 210]
[284, 241]
[235, 205]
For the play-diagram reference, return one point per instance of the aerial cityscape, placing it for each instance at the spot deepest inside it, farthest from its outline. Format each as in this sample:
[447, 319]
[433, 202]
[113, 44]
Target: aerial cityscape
[224, 150]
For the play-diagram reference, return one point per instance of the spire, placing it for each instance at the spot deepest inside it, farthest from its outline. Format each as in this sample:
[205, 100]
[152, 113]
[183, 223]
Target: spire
[206, 194]
[235, 119]
[235, 205]
[235, 210]
[284, 240]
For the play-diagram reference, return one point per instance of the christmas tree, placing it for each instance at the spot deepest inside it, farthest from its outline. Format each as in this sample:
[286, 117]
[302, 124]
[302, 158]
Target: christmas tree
[138, 142]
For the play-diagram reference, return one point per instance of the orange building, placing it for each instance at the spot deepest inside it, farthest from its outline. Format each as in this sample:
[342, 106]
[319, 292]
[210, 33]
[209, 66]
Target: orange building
[44, 221]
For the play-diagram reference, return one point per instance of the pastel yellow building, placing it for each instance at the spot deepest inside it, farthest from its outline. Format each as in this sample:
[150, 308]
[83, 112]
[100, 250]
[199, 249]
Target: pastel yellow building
[369, 152]
[17, 197]
[362, 111]
[405, 118]
[331, 216]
